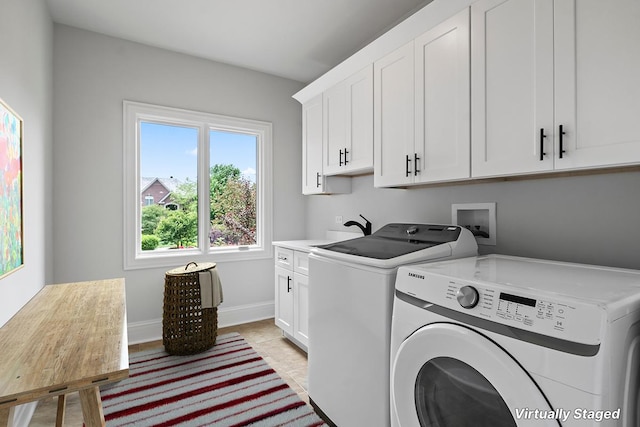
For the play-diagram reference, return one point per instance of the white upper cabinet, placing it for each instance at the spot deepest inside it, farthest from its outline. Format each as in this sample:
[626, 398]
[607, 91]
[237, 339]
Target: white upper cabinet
[597, 82]
[312, 146]
[348, 125]
[468, 89]
[554, 85]
[511, 86]
[393, 124]
[421, 105]
[442, 124]
[314, 180]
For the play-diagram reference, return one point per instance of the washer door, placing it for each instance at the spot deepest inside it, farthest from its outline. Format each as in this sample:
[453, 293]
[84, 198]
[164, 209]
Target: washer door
[447, 375]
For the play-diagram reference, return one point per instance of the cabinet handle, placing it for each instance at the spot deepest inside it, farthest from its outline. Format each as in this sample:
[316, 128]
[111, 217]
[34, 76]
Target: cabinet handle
[415, 164]
[341, 157]
[282, 258]
[542, 137]
[406, 167]
[345, 156]
[288, 284]
[317, 179]
[561, 132]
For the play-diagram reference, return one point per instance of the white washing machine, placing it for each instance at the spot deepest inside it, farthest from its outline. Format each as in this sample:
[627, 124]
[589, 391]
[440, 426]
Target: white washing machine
[351, 286]
[507, 341]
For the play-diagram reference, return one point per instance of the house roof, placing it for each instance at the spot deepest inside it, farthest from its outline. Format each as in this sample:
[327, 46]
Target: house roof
[169, 183]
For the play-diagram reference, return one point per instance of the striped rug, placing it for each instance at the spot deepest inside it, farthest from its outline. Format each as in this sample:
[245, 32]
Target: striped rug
[228, 385]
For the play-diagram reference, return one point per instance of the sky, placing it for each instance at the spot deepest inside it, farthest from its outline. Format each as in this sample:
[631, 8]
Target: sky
[171, 151]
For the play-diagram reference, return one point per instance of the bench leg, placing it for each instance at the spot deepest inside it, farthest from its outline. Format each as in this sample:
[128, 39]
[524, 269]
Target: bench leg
[92, 407]
[60, 414]
[6, 416]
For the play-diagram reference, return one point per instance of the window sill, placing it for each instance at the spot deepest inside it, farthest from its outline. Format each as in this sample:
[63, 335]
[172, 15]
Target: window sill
[184, 256]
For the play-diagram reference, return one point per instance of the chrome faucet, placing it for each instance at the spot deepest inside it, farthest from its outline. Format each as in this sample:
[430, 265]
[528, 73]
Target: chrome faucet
[366, 229]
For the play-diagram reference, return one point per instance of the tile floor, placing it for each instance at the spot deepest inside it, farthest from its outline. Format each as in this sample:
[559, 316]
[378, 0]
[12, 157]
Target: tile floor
[285, 357]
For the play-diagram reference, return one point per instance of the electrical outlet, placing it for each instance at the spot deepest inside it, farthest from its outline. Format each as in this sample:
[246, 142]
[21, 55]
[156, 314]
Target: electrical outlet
[338, 219]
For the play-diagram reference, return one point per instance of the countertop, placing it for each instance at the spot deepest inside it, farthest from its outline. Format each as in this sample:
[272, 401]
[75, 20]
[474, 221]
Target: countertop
[305, 245]
[301, 245]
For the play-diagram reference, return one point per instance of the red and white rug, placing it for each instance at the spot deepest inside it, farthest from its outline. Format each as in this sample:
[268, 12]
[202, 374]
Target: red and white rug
[228, 385]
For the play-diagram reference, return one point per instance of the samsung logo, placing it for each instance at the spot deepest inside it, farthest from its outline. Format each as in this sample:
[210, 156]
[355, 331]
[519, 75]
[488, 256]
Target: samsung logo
[417, 276]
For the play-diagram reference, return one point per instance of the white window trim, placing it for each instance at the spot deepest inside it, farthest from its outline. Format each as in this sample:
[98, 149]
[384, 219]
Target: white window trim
[134, 257]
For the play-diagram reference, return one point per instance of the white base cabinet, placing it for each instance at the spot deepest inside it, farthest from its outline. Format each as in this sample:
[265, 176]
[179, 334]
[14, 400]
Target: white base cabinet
[292, 294]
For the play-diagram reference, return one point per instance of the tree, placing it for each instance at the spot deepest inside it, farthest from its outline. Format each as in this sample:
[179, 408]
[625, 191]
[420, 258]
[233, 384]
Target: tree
[232, 211]
[220, 175]
[186, 196]
[179, 228]
[238, 223]
[151, 216]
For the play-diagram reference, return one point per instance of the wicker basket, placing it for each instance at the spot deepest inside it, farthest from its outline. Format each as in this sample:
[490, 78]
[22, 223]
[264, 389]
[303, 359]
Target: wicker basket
[187, 328]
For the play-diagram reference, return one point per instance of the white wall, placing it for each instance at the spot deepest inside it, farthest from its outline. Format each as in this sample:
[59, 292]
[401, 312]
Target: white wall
[93, 74]
[591, 219]
[25, 84]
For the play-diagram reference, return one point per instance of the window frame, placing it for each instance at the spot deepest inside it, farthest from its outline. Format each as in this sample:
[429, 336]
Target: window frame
[134, 257]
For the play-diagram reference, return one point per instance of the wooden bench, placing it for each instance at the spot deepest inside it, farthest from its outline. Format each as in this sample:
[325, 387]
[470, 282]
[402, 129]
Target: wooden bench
[69, 337]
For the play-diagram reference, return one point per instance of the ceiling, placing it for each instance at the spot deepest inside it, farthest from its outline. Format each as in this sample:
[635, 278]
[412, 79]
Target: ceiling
[296, 39]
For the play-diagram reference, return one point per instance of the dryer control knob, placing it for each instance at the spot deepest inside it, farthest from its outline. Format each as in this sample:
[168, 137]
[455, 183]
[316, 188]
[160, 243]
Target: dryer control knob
[468, 296]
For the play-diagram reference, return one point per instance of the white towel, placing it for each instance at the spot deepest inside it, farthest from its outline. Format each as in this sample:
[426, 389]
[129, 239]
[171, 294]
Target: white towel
[210, 288]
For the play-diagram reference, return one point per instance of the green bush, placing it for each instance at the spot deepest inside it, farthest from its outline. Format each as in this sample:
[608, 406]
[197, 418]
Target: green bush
[149, 242]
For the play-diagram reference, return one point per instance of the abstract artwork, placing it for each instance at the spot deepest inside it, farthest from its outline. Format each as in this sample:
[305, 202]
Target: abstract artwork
[11, 238]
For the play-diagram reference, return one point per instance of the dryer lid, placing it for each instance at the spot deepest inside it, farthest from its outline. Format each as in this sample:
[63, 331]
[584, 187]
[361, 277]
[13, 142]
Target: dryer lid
[394, 240]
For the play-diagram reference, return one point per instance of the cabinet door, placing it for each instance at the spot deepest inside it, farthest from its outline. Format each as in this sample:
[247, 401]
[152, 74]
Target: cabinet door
[284, 299]
[360, 121]
[312, 182]
[348, 125]
[511, 86]
[393, 135]
[442, 101]
[334, 104]
[301, 308]
[597, 85]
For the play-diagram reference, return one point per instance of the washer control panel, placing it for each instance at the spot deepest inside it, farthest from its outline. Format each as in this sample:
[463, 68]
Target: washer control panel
[526, 310]
[549, 314]
[543, 315]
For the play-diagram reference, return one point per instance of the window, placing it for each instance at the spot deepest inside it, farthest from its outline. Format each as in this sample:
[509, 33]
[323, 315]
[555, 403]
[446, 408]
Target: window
[205, 184]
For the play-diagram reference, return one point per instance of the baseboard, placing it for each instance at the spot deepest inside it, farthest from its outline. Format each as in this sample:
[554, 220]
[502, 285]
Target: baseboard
[151, 330]
[231, 316]
[146, 331]
[23, 413]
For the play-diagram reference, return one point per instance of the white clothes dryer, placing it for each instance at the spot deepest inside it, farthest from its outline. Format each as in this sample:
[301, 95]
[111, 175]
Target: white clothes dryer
[508, 341]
